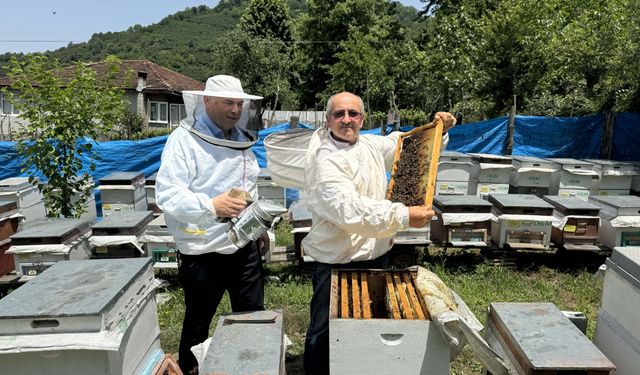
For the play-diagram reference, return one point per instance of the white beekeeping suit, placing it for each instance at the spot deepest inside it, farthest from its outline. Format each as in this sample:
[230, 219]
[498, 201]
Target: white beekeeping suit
[199, 163]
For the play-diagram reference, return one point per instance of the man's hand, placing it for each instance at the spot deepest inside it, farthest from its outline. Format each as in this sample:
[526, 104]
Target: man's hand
[419, 216]
[448, 120]
[227, 206]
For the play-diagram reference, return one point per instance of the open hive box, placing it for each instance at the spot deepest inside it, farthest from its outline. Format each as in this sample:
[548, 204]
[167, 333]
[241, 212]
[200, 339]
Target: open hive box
[378, 324]
[415, 165]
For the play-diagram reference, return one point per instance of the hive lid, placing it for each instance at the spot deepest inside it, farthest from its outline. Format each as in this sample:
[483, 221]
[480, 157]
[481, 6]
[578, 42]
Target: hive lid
[530, 161]
[570, 161]
[538, 337]
[51, 231]
[518, 200]
[616, 201]
[443, 201]
[74, 288]
[123, 222]
[15, 184]
[570, 203]
[121, 178]
[627, 258]
[491, 159]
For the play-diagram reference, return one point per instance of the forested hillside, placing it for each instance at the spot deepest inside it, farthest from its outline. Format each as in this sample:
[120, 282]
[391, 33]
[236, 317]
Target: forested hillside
[473, 57]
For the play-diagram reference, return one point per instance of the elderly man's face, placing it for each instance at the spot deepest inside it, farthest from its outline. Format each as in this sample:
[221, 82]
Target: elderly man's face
[225, 112]
[345, 118]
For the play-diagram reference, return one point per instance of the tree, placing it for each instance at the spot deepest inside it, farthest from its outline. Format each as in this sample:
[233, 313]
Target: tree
[335, 32]
[260, 64]
[267, 19]
[59, 113]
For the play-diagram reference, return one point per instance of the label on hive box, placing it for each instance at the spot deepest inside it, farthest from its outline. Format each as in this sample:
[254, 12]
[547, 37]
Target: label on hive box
[578, 193]
[451, 188]
[528, 224]
[485, 189]
[102, 250]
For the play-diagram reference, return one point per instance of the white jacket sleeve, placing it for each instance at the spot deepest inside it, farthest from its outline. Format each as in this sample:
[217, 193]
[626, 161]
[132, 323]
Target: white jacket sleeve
[352, 212]
[172, 187]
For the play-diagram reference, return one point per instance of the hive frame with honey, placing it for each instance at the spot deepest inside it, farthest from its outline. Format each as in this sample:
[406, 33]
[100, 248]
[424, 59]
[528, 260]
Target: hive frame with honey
[430, 136]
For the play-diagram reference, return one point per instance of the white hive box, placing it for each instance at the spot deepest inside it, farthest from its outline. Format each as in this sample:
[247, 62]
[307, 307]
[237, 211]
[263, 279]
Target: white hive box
[463, 220]
[614, 177]
[635, 181]
[90, 205]
[119, 235]
[524, 221]
[150, 189]
[27, 196]
[45, 242]
[493, 174]
[123, 191]
[530, 175]
[159, 244]
[620, 220]
[572, 178]
[456, 174]
[269, 190]
[618, 327]
[82, 317]
[380, 344]
[576, 227]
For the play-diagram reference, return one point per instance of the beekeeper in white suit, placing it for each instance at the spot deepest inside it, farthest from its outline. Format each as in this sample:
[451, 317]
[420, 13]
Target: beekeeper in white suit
[352, 222]
[203, 159]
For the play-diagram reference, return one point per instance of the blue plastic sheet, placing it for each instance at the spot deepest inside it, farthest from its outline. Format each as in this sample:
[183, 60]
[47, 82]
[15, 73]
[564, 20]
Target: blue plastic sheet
[486, 137]
[558, 137]
[626, 137]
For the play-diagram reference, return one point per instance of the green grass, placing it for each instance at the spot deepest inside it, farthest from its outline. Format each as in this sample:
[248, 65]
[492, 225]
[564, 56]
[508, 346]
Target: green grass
[567, 280]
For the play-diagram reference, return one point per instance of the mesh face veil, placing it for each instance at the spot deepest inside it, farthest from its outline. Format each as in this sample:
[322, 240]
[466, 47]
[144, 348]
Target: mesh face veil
[223, 114]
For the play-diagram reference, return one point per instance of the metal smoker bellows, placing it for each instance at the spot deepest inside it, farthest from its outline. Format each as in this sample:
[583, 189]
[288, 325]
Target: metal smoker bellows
[253, 222]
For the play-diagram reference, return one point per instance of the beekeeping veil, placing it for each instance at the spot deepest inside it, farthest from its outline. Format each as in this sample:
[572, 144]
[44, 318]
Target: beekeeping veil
[247, 121]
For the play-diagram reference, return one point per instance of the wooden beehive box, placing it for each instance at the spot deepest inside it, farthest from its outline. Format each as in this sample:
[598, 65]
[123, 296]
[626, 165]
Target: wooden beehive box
[378, 324]
[415, 166]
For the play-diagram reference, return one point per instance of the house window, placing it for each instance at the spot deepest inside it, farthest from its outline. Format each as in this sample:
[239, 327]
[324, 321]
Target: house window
[177, 113]
[158, 113]
[6, 108]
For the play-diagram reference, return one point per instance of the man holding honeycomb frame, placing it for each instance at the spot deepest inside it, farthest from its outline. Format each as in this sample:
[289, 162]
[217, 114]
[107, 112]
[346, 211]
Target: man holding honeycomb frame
[352, 222]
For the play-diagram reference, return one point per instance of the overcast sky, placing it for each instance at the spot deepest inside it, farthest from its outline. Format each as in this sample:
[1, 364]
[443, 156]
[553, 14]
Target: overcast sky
[41, 25]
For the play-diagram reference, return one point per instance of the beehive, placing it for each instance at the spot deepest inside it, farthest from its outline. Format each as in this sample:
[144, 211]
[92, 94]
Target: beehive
[413, 183]
[378, 324]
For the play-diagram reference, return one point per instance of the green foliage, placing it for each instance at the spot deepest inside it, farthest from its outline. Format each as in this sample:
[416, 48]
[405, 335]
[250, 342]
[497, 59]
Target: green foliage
[471, 57]
[267, 19]
[59, 112]
[260, 64]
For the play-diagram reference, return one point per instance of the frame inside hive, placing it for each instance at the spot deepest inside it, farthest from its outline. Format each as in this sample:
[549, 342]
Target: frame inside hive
[376, 294]
[415, 165]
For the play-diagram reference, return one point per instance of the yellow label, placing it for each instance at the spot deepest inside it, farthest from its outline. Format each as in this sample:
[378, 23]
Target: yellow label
[106, 206]
[514, 223]
[570, 228]
[444, 187]
[484, 189]
[101, 250]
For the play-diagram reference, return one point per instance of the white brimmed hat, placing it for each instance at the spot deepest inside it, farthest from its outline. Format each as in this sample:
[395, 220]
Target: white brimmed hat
[223, 86]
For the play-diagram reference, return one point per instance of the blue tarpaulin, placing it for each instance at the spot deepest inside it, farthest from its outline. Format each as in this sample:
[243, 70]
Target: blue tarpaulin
[626, 137]
[558, 137]
[487, 137]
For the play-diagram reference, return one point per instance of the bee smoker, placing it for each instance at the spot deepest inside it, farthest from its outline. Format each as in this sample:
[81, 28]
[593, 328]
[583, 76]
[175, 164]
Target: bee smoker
[256, 219]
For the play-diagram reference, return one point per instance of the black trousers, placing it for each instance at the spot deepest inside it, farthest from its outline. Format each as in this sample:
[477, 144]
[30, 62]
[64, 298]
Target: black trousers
[204, 279]
[316, 346]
